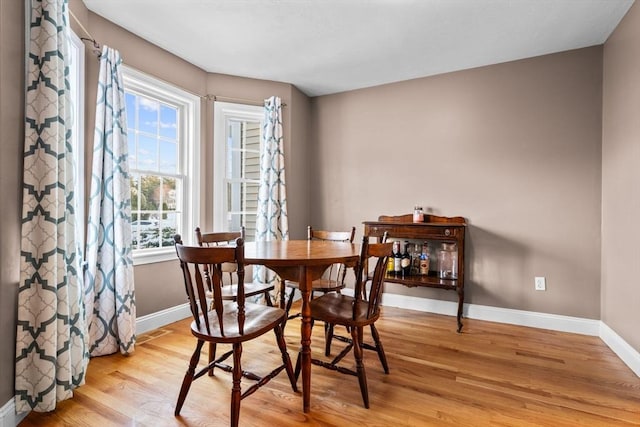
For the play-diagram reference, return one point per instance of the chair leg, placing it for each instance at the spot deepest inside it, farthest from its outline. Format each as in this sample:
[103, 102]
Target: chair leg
[298, 365]
[288, 308]
[290, 300]
[283, 294]
[286, 360]
[328, 337]
[212, 356]
[236, 392]
[188, 377]
[379, 348]
[356, 334]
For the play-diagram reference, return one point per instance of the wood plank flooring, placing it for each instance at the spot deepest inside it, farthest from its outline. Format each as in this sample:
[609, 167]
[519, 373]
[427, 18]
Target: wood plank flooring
[490, 375]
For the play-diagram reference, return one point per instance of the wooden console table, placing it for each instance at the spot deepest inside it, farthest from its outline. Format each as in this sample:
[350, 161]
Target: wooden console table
[434, 229]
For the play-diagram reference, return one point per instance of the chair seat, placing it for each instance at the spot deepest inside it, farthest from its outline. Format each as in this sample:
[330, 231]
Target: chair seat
[230, 292]
[259, 319]
[319, 285]
[338, 309]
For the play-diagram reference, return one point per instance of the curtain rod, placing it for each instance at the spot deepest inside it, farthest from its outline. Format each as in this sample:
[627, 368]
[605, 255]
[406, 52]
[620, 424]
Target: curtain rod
[97, 49]
[212, 97]
[237, 100]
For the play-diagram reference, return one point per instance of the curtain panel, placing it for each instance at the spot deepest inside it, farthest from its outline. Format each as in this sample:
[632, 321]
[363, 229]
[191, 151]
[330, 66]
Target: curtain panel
[272, 221]
[109, 297]
[51, 341]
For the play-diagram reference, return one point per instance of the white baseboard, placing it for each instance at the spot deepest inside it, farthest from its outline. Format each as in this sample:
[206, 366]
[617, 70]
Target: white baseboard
[161, 318]
[496, 314]
[621, 348]
[8, 416]
[554, 322]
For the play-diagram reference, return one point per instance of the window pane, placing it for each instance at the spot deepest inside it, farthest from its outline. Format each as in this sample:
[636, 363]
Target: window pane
[169, 201]
[147, 153]
[169, 226]
[150, 192]
[160, 153]
[134, 184]
[145, 232]
[251, 167]
[235, 134]
[130, 101]
[131, 141]
[235, 221]
[250, 202]
[148, 115]
[241, 171]
[168, 122]
[242, 197]
[243, 174]
[168, 157]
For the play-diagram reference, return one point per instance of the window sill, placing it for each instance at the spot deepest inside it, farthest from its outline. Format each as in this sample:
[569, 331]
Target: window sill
[154, 256]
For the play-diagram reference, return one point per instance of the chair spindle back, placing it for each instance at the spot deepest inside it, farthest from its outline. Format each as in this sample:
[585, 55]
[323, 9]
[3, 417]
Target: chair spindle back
[223, 238]
[202, 271]
[381, 252]
[336, 272]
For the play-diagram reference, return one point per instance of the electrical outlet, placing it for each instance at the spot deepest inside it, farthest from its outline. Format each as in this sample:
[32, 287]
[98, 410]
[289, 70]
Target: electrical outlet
[540, 284]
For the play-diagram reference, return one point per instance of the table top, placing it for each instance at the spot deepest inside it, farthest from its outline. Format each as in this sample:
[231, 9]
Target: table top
[296, 252]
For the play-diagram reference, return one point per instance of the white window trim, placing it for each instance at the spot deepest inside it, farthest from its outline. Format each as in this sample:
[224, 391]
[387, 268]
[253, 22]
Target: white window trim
[189, 154]
[78, 136]
[221, 112]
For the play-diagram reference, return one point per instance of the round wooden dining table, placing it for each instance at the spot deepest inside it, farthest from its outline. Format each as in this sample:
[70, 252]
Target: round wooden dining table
[302, 261]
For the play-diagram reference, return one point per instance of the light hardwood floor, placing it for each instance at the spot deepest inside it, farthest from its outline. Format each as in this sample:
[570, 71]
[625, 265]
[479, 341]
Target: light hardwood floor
[491, 374]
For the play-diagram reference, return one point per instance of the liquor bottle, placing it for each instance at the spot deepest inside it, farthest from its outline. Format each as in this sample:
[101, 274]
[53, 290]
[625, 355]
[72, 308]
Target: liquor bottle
[406, 260]
[397, 261]
[415, 258]
[391, 262]
[424, 259]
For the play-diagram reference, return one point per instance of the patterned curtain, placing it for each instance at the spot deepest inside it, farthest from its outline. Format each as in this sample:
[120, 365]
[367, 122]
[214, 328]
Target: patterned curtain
[109, 298]
[51, 343]
[271, 222]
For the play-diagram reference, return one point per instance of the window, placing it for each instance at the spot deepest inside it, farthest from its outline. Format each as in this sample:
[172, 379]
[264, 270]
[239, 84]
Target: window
[76, 93]
[163, 134]
[237, 147]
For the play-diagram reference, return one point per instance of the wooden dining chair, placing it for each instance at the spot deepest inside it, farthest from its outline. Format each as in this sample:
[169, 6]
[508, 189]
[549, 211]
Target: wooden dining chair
[229, 269]
[333, 278]
[356, 312]
[227, 322]
[329, 327]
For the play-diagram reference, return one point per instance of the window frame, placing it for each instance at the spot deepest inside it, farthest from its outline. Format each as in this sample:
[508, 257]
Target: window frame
[188, 105]
[77, 96]
[224, 111]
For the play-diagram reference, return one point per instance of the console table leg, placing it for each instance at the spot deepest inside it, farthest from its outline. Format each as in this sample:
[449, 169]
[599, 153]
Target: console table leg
[460, 290]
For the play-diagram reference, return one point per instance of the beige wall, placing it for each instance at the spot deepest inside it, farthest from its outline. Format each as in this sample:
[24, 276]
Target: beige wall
[298, 177]
[620, 177]
[11, 148]
[514, 148]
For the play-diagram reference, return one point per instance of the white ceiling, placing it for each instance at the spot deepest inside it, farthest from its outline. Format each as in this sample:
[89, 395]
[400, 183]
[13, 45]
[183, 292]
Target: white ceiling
[329, 46]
